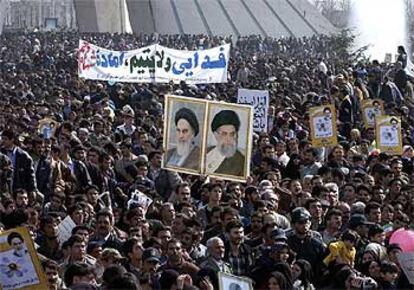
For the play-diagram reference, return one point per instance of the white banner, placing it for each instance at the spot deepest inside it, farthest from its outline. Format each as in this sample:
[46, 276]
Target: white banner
[153, 63]
[409, 69]
[260, 102]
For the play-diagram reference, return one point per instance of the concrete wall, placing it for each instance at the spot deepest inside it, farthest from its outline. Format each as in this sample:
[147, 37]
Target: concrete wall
[101, 15]
[3, 7]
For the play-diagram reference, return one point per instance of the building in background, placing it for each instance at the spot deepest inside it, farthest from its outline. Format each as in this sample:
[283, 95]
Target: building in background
[34, 14]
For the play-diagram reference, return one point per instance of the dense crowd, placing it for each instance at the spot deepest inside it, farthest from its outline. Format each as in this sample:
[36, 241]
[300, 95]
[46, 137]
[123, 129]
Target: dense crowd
[306, 218]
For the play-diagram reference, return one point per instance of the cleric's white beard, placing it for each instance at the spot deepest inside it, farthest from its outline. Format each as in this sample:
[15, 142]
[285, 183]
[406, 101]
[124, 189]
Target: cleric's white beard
[183, 148]
[227, 150]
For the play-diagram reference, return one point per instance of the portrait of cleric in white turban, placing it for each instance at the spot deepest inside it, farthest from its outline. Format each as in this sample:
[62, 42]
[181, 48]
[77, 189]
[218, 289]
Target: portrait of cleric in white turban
[228, 141]
[185, 120]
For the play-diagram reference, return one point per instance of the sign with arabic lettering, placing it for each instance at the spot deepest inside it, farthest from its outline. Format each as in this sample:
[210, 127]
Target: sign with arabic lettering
[260, 102]
[153, 64]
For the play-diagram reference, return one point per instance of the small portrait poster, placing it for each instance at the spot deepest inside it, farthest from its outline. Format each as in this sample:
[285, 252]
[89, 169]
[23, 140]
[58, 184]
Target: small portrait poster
[323, 126]
[184, 133]
[388, 133]
[371, 109]
[231, 282]
[20, 267]
[228, 144]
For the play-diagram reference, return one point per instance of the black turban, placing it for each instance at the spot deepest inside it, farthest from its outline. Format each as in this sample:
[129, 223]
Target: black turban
[225, 117]
[189, 116]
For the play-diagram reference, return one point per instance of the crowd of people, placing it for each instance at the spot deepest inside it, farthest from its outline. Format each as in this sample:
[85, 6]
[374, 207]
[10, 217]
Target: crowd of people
[306, 218]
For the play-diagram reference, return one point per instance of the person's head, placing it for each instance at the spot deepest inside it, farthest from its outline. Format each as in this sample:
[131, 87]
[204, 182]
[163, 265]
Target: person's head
[187, 128]
[83, 231]
[216, 191]
[280, 252]
[350, 238]
[79, 273]
[125, 281]
[164, 234]
[104, 222]
[155, 158]
[373, 212]
[110, 256]
[77, 247]
[389, 271]
[21, 197]
[301, 220]
[235, 232]
[8, 139]
[376, 234]
[277, 281]
[51, 269]
[333, 219]
[49, 227]
[310, 156]
[228, 215]
[150, 260]
[225, 127]
[92, 194]
[167, 213]
[183, 192]
[132, 249]
[174, 251]
[302, 270]
[93, 155]
[77, 214]
[314, 206]
[215, 248]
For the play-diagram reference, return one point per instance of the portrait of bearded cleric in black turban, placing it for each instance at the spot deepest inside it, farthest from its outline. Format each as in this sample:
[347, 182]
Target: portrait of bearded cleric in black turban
[184, 134]
[228, 147]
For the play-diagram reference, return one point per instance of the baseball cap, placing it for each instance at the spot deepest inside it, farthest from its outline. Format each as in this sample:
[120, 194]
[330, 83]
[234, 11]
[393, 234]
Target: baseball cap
[151, 254]
[357, 220]
[278, 235]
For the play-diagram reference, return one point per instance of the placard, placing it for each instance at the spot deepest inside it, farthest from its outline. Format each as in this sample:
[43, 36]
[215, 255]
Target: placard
[388, 135]
[260, 102]
[232, 282]
[205, 137]
[65, 229]
[406, 261]
[19, 264]
[323, 126]
[153, 64]
[371, 109]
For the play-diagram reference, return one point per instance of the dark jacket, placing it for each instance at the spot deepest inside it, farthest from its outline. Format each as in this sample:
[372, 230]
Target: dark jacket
[23, 171]
[43, 174]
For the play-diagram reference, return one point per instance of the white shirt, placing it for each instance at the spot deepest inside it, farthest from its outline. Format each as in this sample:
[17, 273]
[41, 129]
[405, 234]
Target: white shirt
[214, 160]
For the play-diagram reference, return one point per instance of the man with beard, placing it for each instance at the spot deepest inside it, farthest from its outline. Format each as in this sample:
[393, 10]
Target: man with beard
[186, 154]
[225, 158]
[176, 261]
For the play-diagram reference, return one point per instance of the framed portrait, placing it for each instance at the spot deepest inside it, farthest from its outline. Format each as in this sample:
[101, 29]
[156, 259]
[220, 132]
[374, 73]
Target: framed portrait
[19, 264]
[323, 126]
[388, 134]
[371, 109]
[231, 282]
[228, 141]
[184, 134]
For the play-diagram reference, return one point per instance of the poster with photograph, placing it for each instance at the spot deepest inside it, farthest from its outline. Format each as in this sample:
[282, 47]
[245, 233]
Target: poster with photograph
[19, 264]
[260, 102]
[184, 134]
[388, 133]
[371, 109]
[323, 126]
[231, 282]
[228, 141]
